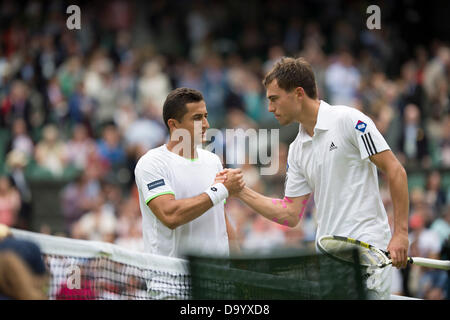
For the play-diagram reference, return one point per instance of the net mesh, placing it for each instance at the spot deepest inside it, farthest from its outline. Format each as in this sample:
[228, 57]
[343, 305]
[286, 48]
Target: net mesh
[277, 276]
[96, 270]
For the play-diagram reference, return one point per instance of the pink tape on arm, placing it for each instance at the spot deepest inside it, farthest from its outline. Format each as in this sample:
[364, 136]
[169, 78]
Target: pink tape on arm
[301, 213]
[283, 203]
[287, 199]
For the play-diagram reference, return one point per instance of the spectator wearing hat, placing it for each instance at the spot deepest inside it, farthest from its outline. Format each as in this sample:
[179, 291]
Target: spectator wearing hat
[23, 275]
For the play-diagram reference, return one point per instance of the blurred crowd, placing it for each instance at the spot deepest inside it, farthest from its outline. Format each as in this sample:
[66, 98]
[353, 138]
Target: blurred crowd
[88, 103]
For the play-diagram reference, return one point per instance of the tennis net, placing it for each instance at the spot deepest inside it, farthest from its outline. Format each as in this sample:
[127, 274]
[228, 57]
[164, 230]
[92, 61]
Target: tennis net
[83, 269]
[91, 270]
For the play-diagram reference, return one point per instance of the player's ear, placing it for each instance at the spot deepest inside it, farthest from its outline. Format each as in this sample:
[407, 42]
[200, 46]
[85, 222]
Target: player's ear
[173, 124]
[299, 92]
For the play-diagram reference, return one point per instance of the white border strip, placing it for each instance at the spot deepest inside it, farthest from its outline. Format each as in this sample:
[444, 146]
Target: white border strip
[397, 297]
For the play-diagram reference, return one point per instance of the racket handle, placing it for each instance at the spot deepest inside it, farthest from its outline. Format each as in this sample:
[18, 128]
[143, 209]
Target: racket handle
[430, 263]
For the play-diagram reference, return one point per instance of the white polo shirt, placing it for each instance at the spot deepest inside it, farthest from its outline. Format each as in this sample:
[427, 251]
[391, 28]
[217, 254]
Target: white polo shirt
[335, 165]
[161, 171]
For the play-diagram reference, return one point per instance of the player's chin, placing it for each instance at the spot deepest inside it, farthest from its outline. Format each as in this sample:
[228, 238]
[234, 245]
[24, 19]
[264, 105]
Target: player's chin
[282, 121]
[200, 140]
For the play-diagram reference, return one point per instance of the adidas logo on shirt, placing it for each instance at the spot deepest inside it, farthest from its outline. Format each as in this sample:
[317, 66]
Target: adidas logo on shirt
[332, 146]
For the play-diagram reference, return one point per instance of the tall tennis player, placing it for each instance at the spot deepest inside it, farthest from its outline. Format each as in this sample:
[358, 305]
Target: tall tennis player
[335, 155]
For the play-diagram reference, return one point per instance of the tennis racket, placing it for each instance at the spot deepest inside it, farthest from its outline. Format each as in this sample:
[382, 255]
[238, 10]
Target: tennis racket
[339, 247]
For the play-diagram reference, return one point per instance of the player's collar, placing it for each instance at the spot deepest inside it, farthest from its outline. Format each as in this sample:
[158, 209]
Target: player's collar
[323, 116]
[323, 121]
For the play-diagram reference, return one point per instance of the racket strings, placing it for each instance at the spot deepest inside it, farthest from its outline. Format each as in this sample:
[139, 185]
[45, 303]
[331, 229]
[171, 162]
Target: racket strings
[341, 250]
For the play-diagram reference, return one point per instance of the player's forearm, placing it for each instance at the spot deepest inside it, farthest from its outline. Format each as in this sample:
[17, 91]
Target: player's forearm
[268, 207]
[233, 240]
[398, 185]
[182, 211]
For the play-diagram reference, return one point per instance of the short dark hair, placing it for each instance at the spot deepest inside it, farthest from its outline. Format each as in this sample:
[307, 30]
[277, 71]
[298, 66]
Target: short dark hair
[291, 73]
[175, 104]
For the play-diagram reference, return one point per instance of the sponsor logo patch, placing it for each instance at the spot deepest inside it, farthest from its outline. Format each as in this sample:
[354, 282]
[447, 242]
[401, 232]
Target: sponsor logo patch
[361, 126]
[155, 184]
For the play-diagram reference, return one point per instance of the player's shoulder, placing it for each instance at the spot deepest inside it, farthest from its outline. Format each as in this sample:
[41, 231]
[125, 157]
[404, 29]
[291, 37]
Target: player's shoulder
[152, 157]
[347, 116]
[208, 155]
[347, 111]
[339, 111]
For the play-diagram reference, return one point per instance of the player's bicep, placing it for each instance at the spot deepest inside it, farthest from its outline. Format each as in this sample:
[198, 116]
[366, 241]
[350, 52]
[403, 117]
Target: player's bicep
[161, 207]
[297, 205]
[385, 160]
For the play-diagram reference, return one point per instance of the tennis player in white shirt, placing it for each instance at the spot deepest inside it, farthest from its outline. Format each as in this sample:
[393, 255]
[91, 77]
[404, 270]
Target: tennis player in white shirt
[181, 204]
[335, 155]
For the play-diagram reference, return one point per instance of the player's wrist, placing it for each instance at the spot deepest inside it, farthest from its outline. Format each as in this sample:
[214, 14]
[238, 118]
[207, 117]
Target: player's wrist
[217, 193]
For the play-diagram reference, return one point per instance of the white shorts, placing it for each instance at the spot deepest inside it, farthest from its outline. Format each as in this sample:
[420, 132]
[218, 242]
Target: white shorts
[379, 283]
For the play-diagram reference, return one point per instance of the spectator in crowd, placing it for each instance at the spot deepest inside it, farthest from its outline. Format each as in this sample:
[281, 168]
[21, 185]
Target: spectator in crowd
[23, 274]
[99, 224]
[57, 102]
[441, 226]
[413, 142]
[154, 85]
[427, 283]
[78, 197]
[16, 162]
[342, 80]
[435, 72]
[125, 114]
[81, 107]
[9, 202]
[81, 148]
[145, 133]
[411, 91]
[129, 225]
[20, 140]
[110, 146]
[435, 194]
[51, 151]
[16, 105]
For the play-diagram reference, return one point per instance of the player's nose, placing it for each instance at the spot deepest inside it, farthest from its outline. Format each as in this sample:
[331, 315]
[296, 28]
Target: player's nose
[271, 107]
[205, 124]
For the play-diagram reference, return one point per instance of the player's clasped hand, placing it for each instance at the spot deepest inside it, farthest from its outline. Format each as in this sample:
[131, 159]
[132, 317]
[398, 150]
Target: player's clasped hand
[232, 179]
[398, 250]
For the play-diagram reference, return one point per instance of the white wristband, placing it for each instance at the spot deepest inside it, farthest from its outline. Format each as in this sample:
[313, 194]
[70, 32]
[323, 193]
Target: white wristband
[217, 193]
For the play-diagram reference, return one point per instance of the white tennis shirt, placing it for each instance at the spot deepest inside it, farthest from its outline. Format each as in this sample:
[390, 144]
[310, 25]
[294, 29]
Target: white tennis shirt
[335, 165]
[161, 171]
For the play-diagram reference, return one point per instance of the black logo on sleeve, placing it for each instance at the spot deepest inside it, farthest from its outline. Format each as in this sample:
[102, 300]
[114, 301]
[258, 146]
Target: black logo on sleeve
[368, 144]
[214, 189]
[155, 184]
